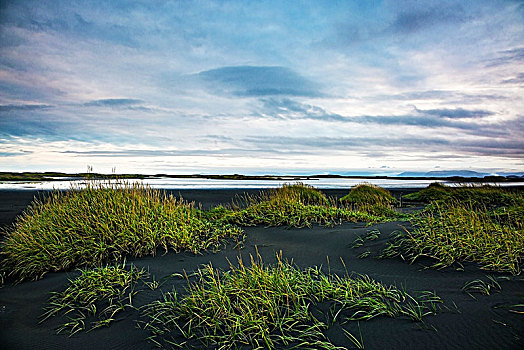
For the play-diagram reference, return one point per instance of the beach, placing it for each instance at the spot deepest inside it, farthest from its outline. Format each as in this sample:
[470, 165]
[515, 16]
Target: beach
[463, 321]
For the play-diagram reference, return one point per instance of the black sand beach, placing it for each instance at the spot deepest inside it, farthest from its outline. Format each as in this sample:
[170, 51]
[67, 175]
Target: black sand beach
[464, 323]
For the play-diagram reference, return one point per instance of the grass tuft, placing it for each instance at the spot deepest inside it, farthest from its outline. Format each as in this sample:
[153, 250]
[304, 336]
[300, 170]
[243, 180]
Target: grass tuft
[481, 286]
[97, 294]
[455, 231]
[270, 306]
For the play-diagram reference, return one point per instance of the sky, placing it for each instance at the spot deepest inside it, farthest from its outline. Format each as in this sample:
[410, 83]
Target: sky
[262, 87]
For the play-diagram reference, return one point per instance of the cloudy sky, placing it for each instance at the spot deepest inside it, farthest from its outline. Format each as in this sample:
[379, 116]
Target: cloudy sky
[261, 86]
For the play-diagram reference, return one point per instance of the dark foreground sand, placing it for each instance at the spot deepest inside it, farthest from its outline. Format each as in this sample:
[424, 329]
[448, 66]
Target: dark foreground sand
[472, 324]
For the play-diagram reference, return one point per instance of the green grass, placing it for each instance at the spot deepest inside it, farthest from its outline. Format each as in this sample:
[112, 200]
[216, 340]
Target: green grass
[97, 295]
[107, 221]
[435, 191]
[301, 192]
[481, 196]
[272, 306]
[454, 231]
[368, 236]
[481, 286]
[101, 223]
[371, 199]
[296, 206]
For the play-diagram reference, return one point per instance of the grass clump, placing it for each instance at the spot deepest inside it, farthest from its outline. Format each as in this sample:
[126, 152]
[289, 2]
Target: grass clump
[271, 306]
[479, 196]
[98, 295]
[371, 199]
[481, 286]
[104, 222]
[303, 193]
[453, 231]
[435, 191]
[296, 205]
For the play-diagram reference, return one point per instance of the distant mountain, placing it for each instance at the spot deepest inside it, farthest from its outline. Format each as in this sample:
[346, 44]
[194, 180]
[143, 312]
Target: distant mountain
[443, 173]
[511, 174]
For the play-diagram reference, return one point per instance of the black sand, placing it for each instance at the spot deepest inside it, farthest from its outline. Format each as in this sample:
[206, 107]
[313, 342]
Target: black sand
[472, 324]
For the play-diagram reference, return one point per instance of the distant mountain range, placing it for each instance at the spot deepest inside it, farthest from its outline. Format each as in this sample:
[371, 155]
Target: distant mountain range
[461, 173]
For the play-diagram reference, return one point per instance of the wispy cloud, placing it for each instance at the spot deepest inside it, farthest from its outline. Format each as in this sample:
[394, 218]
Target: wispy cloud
[457, 118]
[519, 79]
[285, 108]
[456, 113]
[12, 154]
[507, 57]
[362, 144]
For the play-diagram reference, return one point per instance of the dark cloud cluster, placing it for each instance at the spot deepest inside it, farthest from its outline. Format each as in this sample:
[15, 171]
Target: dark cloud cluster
[23, 107]
[113, 102]
[418, 18]
[456, 113]
[255, 81]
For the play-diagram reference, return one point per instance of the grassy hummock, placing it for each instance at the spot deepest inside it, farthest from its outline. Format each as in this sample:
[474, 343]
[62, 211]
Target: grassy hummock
[485, 195]
[371, 199]
[306, 194]
[482, 225]
[271, 306]
[97, 295]
[295, 205]
[435, 191]
[104, 222]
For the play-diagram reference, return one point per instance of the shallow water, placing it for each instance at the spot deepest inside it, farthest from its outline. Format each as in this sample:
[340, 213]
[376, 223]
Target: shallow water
[198, 183]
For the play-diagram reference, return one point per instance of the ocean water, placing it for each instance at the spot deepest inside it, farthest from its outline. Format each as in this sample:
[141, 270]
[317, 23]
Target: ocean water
[197, 183]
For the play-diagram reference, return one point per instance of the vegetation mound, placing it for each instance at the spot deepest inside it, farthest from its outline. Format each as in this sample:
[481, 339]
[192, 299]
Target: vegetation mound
[369, 195]
[296, 205]
[300, 192]
[486, 195]
[371, 199]
[104, 222]
[435, 191]
[271, 306]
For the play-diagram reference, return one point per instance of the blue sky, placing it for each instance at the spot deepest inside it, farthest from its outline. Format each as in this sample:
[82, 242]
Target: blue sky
[262, 87]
